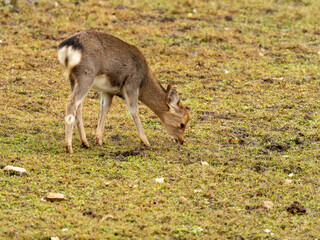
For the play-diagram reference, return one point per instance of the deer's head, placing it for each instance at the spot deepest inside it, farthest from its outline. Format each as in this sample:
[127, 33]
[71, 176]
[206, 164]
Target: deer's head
[176, 118]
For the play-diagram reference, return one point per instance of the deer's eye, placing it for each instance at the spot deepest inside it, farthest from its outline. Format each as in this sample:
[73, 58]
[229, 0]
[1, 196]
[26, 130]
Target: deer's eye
[182, 125]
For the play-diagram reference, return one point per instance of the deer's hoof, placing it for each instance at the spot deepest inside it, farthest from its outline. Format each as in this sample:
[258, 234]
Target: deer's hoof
[99, 141]
[147, 144]
[69, 149]
[85, 144]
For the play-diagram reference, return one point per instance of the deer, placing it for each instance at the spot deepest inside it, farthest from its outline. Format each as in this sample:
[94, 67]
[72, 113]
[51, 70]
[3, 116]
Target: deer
[100, 61]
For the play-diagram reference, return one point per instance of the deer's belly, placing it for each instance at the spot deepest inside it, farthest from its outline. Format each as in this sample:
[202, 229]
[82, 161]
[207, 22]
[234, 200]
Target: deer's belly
[102, 83]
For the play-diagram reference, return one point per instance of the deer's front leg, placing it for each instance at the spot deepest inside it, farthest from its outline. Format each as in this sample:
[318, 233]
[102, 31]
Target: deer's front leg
[131, 98]
[106, 100]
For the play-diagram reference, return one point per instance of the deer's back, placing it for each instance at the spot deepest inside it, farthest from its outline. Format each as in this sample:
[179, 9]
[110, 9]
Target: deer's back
[100, 54]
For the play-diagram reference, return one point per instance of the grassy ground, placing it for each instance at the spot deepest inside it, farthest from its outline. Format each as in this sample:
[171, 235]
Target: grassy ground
[249, 72]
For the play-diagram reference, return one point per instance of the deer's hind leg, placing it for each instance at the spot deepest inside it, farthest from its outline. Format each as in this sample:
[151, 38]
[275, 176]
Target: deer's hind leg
[81, 85]
[79, 121]
[106, 100]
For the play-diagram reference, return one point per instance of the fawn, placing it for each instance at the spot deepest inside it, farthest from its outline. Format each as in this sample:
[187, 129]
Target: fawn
[113, 67]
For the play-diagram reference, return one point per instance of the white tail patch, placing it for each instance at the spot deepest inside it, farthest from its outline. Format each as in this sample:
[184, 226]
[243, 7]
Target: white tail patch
[62, 54]
[69, 58]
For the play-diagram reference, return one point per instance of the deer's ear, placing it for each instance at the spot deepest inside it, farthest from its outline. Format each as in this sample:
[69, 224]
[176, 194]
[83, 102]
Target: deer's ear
[169, 87]
[172, 99]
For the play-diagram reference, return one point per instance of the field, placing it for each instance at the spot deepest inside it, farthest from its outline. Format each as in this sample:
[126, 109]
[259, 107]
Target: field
[248, 70]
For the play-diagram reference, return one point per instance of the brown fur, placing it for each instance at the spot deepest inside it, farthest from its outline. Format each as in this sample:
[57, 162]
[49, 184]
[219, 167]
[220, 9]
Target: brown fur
[115, 67]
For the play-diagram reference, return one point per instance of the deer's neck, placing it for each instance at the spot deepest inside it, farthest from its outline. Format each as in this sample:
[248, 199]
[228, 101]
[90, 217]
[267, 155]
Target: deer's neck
[154, 96]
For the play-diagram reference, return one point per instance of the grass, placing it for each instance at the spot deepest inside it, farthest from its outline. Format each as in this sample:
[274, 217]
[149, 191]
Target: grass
[249, 72]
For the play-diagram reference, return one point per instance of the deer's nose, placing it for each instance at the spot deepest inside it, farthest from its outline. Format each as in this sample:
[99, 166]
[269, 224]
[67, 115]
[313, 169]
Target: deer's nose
[180, 140]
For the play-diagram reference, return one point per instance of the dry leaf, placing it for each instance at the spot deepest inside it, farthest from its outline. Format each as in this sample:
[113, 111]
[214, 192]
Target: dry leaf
[183, 199]
[287, 181]
[106, 217]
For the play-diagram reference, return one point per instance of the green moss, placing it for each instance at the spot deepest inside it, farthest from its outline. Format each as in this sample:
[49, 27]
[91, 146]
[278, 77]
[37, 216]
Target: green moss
[248, 71]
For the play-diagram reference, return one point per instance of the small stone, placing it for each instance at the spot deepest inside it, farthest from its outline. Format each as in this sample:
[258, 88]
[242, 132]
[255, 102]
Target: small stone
[64, 229]
[205, 163]
[15, 170]
[54, 238]
[183, 199]
[290, 175]
[53, 197]
[107, 184]
[287, 181]
[113, 18]
[267, 230]
[106, 217]
[268, 204]
[159, 180]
